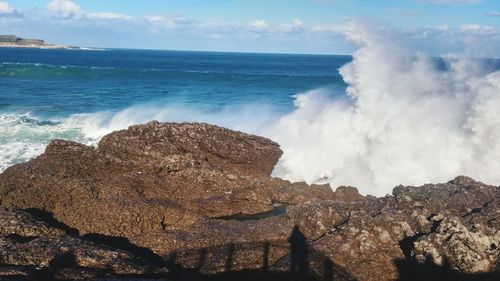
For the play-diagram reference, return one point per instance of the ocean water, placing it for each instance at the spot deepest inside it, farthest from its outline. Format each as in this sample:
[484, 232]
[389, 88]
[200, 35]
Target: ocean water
[81, 95]
[387, 115]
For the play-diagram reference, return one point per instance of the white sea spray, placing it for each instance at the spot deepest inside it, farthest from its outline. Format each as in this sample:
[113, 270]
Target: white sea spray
[408, 122]
[404, 119]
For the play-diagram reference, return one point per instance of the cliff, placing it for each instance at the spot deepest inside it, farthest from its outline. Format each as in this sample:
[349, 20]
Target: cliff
[195, 201]
[13, 41]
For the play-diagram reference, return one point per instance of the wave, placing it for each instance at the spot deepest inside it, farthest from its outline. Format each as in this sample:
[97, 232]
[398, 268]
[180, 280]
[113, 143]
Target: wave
[405, 118]
[43, 70]
[23, 137]
[92, 49]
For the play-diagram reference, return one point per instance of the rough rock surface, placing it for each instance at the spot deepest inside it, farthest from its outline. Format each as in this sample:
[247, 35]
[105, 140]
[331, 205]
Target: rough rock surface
[164, 198]
[30, 246]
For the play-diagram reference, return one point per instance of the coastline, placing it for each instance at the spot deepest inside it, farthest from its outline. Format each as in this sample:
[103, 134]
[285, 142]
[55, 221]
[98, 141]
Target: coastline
[33, 46]
[13, 41]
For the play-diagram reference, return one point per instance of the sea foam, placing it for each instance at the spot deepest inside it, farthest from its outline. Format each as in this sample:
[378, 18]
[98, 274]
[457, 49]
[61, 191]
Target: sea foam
[406, 118]
[408, 121]
[23, 137]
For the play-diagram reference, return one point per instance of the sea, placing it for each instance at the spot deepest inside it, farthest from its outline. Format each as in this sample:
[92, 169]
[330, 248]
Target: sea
[382, 117]
[81, 95]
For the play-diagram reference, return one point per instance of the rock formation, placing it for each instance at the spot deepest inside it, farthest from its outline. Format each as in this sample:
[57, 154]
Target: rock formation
[163, 199]
[12, 41]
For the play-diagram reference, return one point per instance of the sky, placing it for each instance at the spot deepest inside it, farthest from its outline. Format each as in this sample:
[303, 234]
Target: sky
[276, 26]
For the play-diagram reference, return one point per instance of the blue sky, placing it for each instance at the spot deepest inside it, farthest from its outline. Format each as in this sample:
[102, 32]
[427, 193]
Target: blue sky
[289, 26]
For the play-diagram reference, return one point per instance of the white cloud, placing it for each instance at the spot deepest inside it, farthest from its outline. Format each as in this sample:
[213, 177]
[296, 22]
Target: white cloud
[158, 23]
[297, 25]
[108, 16]
[471, 39]
[70, 9]
[407, 13]
[259, 24]
[259, 32]
[327, 28]
[6, 8]
[494, 14]
[65, 8]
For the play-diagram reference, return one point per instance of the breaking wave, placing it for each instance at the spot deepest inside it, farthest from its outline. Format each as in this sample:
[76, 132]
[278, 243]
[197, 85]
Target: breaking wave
[406, 118]
[410, 120]
[23, 137]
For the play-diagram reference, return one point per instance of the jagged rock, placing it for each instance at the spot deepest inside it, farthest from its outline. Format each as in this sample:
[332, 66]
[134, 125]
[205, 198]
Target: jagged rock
[201, 198]
[457, 197]
[366, 246]
[146, 178]
[33, 248]
[467, 250]
[174, 147]
[168, 187]
[22, 224]
[347, 194]
[439, 220]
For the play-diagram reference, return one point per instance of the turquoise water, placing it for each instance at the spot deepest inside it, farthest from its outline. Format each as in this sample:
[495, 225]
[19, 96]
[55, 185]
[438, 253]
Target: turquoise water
[83, 94]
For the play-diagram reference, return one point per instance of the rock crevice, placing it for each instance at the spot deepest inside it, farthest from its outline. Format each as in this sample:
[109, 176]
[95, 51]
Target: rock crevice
[169, 199]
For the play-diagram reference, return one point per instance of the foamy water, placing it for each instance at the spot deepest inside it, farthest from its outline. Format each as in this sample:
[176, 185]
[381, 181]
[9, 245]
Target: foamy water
[409, 121]
[404, 118]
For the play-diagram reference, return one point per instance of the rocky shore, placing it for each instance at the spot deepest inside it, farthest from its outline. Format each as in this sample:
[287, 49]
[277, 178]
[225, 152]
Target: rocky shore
[12, 41]
[167, 201]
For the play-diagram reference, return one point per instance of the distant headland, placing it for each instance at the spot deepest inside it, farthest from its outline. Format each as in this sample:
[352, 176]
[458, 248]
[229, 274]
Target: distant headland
[12, 41]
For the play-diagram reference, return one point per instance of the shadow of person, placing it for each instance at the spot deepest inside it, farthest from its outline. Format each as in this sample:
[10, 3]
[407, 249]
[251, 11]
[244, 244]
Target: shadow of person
[265, 255]
[229, 260]
[327, 269]
[299, 251]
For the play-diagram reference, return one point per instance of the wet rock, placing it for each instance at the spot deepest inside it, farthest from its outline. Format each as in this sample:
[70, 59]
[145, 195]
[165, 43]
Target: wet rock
[200, 200]
[458, 196]
[347, 194]
[152, 176]
[466, 250]
[173, 147]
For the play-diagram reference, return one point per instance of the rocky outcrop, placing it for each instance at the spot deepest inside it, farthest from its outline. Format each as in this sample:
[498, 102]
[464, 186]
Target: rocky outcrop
[199, 198]
[468, 251]
[16, 42]
[33, 247]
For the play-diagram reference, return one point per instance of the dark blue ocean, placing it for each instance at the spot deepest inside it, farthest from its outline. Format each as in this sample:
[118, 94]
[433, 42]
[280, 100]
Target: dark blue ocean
[82, 94]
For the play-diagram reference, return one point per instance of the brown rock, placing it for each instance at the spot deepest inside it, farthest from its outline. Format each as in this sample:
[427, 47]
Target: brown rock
[201, 198]
[31, 247]
[146, 178]
[467, 250]
[347, 194]
[174, 147]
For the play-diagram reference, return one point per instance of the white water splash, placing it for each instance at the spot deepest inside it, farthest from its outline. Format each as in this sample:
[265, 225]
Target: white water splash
[407, 123]
[23, 137]
[402, 121]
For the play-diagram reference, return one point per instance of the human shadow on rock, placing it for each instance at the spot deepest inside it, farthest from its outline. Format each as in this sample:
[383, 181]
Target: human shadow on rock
[300, 263]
